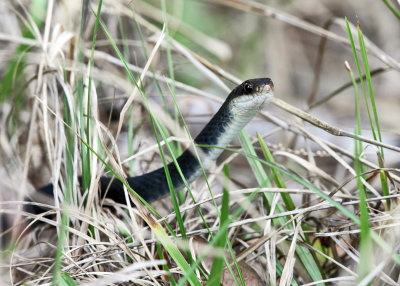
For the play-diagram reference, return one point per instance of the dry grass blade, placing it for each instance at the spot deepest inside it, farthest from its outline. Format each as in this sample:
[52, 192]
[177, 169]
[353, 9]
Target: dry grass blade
[287, 273]
[139, 83]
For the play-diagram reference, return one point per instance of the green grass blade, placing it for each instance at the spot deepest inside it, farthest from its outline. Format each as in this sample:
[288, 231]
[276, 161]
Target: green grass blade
[179, 218]
[161, 235]
[176, 148]
[165, 266]
[369, 83]
[172, 77]
[276, 175]
[175, 254]
[217, 236]
[158, 230]
[66, 280]
[69, 187]
[70, 147]
[86, 176]
[218, 264]
[353, 48]
[14, 70]
[365, 265]
[385, 247]
[132, 78]
[258, 169]
[383, 177]
[198, 158]
[306, 258]
[174, 195]
[366, 246]
[392, 9]
[79, 93]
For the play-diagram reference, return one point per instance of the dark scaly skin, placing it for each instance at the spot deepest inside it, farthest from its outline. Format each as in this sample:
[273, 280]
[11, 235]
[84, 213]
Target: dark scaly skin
[153, 185]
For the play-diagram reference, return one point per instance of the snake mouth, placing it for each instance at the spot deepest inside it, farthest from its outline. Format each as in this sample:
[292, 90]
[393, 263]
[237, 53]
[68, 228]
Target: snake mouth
[265, 88]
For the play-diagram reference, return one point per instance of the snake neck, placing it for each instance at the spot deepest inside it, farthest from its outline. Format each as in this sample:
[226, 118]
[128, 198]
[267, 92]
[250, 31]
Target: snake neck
[221, 130]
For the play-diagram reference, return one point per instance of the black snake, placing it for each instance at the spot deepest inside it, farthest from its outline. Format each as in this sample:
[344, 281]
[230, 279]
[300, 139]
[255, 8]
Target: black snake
[242, 104]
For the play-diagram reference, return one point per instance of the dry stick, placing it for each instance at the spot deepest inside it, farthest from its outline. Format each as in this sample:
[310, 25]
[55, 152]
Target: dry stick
[216, 69]
[287, 126]
[287, 272]
[326, 126]
[318, 65]
[199, 65]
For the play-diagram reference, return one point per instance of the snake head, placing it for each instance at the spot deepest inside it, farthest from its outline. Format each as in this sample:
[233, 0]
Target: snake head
[251, 95]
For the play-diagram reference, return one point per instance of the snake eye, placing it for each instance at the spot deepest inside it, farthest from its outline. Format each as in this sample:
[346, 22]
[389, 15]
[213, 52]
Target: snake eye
[248, 87]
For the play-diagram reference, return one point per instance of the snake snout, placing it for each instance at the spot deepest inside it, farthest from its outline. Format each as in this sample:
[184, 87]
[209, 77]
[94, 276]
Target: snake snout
[264, 85]
[271, 85]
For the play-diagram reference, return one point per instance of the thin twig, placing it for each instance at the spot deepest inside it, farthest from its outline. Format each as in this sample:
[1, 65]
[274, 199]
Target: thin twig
[326, 126]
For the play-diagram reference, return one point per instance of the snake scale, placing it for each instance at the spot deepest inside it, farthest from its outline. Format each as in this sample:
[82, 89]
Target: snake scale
[241, 105]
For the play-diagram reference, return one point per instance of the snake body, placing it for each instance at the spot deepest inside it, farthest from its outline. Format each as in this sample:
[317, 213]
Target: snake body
[242, 104]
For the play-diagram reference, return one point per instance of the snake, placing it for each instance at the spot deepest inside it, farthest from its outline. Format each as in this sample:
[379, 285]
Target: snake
[241, 105]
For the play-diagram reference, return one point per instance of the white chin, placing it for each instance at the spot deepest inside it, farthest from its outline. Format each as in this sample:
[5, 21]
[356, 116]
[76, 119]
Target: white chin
[250, 102]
